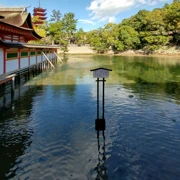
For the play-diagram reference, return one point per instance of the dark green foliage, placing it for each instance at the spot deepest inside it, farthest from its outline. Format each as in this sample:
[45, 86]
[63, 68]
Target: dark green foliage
[147, 30]
[128, 38]
[97, 41]
[80, 37]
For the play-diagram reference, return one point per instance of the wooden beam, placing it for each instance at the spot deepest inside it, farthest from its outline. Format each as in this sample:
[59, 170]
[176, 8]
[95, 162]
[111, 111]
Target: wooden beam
[48, 60]
[57, 56]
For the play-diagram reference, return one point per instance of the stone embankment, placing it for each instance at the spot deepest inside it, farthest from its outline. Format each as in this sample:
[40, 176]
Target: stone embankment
[74, 49]
[164, 51]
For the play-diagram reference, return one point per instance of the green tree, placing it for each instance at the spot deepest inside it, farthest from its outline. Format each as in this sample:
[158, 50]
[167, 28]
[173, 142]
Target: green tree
[53, 31]
[69, 25]
[97, 40]
[172, 20]
[110, 33]
[138, 21]
[80, 37]
[172, 16]
[153, 42]
[56, 16]
[155, 22]
[128, 38]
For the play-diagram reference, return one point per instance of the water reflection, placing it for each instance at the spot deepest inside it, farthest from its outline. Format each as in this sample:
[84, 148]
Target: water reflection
[101, 168]
[48, 133]
[15, 132]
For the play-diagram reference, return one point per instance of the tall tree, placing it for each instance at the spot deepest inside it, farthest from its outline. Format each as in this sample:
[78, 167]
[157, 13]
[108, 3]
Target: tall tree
[138, 21]
[69, 25]
[172, 16]
[80, 37]
[128, 38]
[56, 15]
[155, 22]
[97, 40]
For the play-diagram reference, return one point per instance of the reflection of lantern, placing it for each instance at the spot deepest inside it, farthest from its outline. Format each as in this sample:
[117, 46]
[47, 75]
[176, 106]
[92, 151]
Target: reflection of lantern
[98, 73]
[40, 13]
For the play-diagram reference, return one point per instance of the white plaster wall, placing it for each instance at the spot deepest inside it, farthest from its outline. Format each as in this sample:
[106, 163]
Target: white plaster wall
[15, 40]
[50, 55]
[39, 58]
[24, 62]
[8, 40]
[32, 60]
[44, 59]
[11, 65]
[47, 55]
[1, 61]
[54, 56]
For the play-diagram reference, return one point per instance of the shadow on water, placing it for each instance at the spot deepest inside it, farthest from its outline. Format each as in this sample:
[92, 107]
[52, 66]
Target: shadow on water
[15, 134]
[16, 129]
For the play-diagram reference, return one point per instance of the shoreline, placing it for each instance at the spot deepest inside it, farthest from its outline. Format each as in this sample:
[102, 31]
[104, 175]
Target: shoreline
[86, 50]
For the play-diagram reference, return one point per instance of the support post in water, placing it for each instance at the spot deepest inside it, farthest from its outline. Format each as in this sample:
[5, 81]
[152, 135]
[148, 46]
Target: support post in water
[100, 74]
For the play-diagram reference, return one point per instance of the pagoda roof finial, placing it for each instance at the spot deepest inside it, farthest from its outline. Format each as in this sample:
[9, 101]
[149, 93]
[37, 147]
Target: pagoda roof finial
[39, 4]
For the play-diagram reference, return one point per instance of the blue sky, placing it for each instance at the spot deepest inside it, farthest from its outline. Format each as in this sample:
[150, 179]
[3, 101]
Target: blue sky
[91, 14]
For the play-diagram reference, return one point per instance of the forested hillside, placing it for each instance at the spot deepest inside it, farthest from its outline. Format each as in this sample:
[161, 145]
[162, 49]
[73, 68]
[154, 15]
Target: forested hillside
[146, 30]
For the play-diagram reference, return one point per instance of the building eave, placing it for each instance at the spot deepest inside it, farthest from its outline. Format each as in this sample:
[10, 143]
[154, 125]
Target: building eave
[25, 45]
[23, 18]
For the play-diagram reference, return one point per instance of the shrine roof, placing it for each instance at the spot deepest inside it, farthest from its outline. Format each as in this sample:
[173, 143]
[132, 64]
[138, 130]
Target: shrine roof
[18, 18]
[15, 19]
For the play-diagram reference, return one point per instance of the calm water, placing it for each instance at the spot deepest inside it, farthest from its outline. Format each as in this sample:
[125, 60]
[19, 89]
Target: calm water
[48, 132]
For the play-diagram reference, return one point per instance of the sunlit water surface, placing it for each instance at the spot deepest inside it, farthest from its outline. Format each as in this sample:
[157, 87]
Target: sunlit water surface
[48, 132]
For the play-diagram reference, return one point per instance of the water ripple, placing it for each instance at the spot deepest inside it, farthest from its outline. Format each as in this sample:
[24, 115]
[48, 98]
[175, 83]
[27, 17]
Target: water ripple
[50, 133]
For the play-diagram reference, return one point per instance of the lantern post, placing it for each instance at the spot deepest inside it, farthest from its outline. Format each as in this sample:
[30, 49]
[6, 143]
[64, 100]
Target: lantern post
[100, 74]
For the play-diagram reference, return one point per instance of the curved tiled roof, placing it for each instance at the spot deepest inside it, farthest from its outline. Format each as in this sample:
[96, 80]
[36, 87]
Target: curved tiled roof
[19, 18]
[15, 19]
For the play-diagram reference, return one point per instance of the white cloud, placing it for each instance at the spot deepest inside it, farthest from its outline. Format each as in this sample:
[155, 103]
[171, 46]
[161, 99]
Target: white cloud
[85, 21]
[107, 9]
[112, 20]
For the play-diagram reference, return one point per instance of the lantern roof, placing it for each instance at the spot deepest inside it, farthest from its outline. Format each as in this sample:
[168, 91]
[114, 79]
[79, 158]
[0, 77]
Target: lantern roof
[100, 69]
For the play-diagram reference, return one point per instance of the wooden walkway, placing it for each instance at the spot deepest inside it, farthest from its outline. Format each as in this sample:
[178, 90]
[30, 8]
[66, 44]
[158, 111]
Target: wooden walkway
[14, 79]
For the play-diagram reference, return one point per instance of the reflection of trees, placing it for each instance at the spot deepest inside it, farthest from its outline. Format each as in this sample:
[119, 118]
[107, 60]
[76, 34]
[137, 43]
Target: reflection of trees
[151, 73]
[173, 88]
[14, 132]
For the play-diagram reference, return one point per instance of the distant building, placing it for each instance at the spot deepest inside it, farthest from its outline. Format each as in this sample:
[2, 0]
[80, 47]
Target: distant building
[40, 13]
[16, 30]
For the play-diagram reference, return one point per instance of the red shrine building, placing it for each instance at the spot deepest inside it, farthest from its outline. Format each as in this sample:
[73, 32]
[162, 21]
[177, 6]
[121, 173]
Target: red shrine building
[16, 29]
[40, 13]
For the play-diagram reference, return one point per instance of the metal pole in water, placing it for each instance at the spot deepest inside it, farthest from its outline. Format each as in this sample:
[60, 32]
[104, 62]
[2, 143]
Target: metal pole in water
[97, 98]
[103, 100]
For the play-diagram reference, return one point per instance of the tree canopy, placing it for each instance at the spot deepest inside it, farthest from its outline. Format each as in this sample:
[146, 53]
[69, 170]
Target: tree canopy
[147, 30]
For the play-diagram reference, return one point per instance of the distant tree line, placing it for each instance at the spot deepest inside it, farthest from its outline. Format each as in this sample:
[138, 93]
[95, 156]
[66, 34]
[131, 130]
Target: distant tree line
[147, 30]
